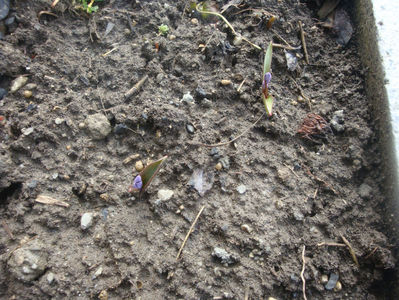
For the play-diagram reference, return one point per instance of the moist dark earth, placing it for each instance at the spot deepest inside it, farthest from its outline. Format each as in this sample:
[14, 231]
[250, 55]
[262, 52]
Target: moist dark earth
[69, 135]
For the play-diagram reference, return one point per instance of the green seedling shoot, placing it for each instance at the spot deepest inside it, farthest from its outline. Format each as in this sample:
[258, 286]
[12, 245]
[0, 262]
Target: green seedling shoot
[88, 7]
[163, 29]
[267, 77]
[143, 180]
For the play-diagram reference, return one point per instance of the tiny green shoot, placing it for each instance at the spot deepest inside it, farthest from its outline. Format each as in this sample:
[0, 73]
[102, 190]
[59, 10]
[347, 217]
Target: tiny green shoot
[88, 7]
[163, 29]
[266, 78]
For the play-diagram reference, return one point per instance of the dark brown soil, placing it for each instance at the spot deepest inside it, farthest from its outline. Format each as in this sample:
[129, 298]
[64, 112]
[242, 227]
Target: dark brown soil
[296, 192]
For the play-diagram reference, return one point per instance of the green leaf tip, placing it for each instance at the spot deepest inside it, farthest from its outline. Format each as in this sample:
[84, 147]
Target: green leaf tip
[149, 172]
[268, 59]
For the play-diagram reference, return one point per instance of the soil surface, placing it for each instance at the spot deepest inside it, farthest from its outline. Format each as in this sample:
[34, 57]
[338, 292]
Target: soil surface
[70, 134]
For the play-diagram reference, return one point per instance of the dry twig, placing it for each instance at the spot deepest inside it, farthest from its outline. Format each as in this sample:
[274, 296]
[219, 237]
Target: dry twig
[302, 273]
[330, 244]
[228, 142]
[7, 229]
[305, 50]
[189, 232]
[136, 87]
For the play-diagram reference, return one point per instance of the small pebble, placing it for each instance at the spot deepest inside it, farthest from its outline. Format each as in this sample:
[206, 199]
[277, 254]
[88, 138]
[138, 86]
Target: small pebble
[139, 166]
[3, 93]
[271, 298]
[246, 228]
[165, 195]
[31, 86]
[172, 37]
[158, 134]
[338, 286]
[225, 162]
[86, 220]
[225, 82]
[190, 128]
[127, 31]
[188, 98]
[181, 207]
[300, 99]
[58, 121]
[332, 281]
[50, 277]
[27, 94]
[237, 40]
[324, 279]
[27, 131]
[82, 125]
[241, 189]
[194, 21]
[18, 83]
[218, 166]
[32, 184]
[103, 295]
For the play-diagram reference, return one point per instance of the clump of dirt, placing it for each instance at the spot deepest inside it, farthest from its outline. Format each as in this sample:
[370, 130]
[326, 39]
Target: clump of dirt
[77, 139]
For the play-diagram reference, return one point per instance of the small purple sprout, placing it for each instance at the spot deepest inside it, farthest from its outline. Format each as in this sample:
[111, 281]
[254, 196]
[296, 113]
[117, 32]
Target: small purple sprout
[137, 184]
[266, 80]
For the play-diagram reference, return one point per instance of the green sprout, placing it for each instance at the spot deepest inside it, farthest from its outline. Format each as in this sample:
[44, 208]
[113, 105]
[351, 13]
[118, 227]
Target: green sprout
[266, 78]
[88, 7]
[163, 29]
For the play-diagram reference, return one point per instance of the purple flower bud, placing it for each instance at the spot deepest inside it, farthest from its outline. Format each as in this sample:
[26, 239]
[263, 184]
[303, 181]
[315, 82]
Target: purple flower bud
[268, 78]
[137, 183]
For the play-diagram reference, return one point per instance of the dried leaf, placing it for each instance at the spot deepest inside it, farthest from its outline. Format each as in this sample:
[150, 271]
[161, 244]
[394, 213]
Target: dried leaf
[201, 182]
[51, 201]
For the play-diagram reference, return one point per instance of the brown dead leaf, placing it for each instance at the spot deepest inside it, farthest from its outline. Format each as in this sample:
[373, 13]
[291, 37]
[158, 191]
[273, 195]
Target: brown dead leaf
[50, 201]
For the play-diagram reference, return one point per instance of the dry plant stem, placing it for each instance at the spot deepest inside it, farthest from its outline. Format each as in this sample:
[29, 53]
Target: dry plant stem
[330, 244]
[136, 87]
[45, 12]
[54, 3]
[305, 50]
[228, 142]
[241, 84]
[189, 232]
[302, 273]
[7, 229]
[351, 251]
[282, 39]
[292, 170]
[228, 24]
[371, 253]
[109, 52]
[302, 94]
[285, 47]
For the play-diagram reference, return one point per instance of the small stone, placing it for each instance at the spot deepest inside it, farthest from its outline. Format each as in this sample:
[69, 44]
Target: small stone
[215, 152]
[27, 131]
[200, 93]
[181, 207]
[225, 82]
[332, 281]
[324, 279]
[246, 228]
[31, 86]
[50, 277]
[27, 94]
[82, 125]
[18, 83]
[98, 126]
[139, 166]
[165, 195]
[103, 295]
[241, 189]
[338, 286]
[298, 216]
[130, 158]
[365, 191]
[225, 162]
[223, 256]
[32, 184]
[3, 93]
[300, 99]
[190, 128]
[194, 21]
[171, 37]
[294, 103]
[29, 261]
[188, 98]
[98, 272]
[59, 121]
[237, 40]
[283, 174]
[68, 147]
[158, 134]
[86, 220]
[337, 121]
[218, 166]
[271, 298]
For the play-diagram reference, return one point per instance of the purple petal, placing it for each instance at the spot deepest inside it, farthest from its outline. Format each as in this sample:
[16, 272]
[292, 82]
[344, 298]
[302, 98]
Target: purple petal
[137, 183]
[268, 78]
